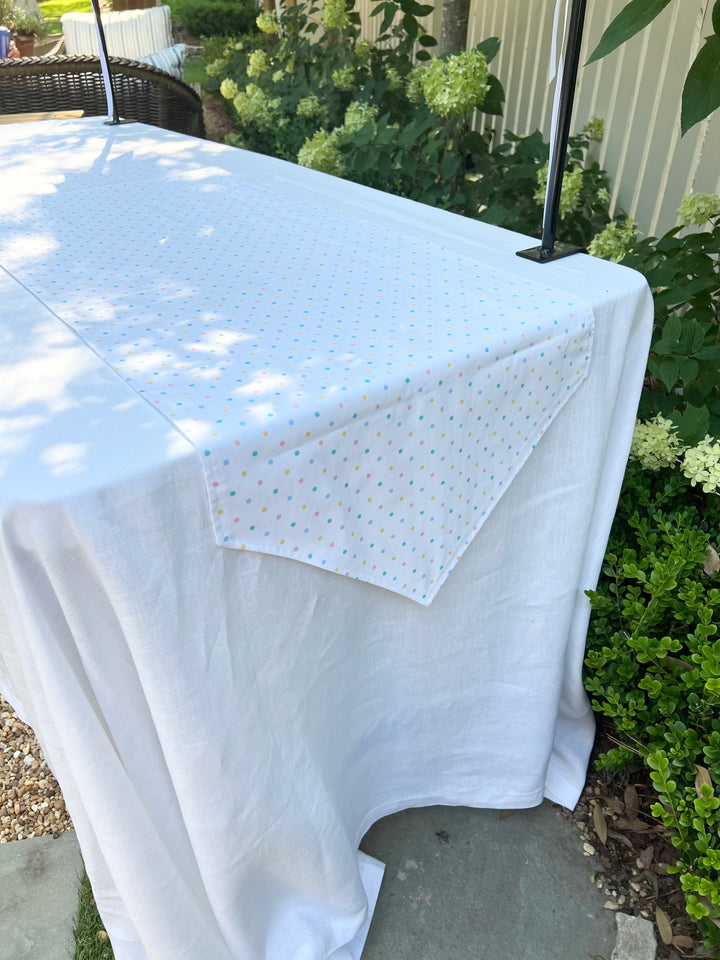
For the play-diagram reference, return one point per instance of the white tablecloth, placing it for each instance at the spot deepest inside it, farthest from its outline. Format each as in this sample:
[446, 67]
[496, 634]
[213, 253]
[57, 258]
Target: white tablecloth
[226, 724]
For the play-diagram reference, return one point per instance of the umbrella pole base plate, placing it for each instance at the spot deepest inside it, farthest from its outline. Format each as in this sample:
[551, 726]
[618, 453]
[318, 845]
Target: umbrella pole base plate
[542, 255]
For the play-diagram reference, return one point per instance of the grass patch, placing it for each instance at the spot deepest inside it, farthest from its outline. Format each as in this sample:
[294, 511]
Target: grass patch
[195, 70]
[52, 10]
[91, 940]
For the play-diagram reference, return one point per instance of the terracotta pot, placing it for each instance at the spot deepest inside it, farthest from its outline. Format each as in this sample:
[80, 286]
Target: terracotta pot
[25, 45]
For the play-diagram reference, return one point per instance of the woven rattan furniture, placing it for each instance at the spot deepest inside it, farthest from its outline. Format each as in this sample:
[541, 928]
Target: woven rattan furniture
[142, 92]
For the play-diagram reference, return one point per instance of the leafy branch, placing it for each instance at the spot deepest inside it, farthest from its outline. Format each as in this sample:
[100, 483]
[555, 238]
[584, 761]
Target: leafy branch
[701, 91]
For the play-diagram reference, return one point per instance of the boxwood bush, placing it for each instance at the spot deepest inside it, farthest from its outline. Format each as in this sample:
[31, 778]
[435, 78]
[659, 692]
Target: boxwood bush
[211, 18]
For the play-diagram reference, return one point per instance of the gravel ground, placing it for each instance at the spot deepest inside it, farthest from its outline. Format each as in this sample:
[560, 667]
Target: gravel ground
[31, 803]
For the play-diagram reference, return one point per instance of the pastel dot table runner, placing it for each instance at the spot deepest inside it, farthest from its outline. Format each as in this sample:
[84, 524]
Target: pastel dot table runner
[360, 394]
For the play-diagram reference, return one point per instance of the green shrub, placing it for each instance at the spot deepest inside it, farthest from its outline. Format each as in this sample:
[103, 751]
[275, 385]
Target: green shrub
[653, 665]
[210, 18]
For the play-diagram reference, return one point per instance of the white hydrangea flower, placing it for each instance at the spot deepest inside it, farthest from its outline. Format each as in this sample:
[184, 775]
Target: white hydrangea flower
[309, 107]
[335, 15]
[320, 152]
[594, 129]
[571, 187]
[698, 208]
[363, 49]
[357, 115]
[614, 241]
[254, 107]
[214, 68]
[394, 77]
[701, 465]
[413, 84]
[267, 22]
[229, 89]
[655, 443]
[456, 85]
[343, 78]
[257, 63]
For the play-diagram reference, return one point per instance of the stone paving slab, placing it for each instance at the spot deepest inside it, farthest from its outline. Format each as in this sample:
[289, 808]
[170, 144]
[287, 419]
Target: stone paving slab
[39, 885]
[459, 884]
[464, 884]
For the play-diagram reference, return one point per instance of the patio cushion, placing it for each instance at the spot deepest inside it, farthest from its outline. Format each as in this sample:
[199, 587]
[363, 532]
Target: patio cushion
[171, 60]
[131, 34]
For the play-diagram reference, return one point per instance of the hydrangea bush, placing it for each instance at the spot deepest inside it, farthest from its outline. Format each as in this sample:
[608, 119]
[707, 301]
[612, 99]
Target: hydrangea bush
[683, 270]
[312, 91]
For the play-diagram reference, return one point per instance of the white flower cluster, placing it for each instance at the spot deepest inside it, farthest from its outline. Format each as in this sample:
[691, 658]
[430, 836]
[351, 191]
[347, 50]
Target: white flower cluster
[614, 241]
[267, 22]
[309, 107]
[229, 89]
[257, 63]
[698, 208]
[570, 193]
[343, 78]
[594, 129]
[701, 465]
[335, 15]
[214, 68]
[453, 86]
[357, 115]
[253, 106]
[320, 152]
[655, 445]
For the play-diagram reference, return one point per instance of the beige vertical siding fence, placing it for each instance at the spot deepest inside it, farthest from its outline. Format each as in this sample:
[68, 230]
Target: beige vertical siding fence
[636, 90]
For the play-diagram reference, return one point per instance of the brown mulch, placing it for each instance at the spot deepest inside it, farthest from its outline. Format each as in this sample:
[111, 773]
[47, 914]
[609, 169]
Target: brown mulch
[613, 816]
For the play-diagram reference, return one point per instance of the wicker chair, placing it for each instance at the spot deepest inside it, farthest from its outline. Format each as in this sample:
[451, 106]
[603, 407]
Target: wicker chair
[142, 92]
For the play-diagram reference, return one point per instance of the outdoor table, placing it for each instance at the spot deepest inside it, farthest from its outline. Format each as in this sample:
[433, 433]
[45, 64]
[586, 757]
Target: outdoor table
[301, 487]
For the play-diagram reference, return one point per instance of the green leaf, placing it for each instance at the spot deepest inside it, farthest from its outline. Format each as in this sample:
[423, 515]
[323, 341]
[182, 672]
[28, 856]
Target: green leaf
[712, 352]
[494, 98]
[423, 55]
[716, 17]
[363, 136]
[390, 11]
[666, 370]
[692, 424]
[449, 166]
[688, 370]
[474, 142]
[412, 28]
[416, 9]
[631, 19]
[701, 93]
[427, 41]
[489, 48]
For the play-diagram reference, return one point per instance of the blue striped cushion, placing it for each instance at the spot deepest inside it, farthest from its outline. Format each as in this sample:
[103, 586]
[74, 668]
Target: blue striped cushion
[171, 60]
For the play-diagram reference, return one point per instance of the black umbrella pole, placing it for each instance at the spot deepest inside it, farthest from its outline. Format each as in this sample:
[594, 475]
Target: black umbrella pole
[549, 249]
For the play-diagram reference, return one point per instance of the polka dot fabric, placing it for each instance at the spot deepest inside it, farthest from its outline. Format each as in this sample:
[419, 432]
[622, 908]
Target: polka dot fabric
[360, 397]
